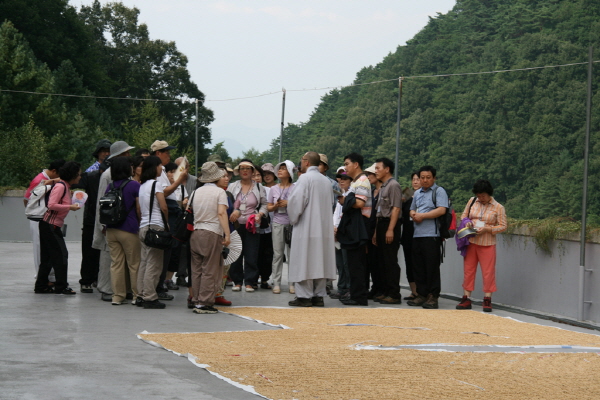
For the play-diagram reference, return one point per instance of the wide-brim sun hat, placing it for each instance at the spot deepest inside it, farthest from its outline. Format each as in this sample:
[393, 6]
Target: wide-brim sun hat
[268, 167]
[102, 144]
[211, 172]
[118, 148]
[371, 169]
[236, 170]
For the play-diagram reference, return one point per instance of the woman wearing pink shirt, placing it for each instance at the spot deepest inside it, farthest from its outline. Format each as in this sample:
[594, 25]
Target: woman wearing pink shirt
[53, 249]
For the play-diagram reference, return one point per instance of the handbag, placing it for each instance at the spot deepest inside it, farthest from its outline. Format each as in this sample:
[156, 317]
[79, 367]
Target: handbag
[154, 238]
[287, 234]
[266, 220]
[184, 224]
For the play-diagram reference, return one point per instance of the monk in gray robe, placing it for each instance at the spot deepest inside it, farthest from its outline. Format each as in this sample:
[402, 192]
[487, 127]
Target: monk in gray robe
[312, 255]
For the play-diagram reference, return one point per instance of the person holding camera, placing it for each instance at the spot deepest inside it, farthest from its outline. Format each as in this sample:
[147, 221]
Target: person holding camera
[211, 233]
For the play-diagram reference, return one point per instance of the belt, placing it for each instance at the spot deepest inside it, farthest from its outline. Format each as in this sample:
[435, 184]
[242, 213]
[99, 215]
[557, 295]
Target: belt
[383, 218]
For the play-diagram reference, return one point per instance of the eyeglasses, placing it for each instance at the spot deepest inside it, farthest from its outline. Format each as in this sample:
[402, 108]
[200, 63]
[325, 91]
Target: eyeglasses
[245, 169]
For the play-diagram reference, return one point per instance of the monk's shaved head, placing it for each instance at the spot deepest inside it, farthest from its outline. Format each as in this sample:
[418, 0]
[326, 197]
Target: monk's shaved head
[313, 158]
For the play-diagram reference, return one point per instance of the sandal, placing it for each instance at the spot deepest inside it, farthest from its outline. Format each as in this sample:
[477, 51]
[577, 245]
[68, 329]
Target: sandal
[411, 297]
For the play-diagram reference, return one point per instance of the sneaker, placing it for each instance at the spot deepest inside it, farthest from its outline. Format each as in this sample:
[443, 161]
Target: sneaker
[190, 303]
[344, 297]
[300, 302]
[181, 281]
[222, 301]
[205, 310]
[487, 304]
[86, 289]
[390, 300]
[249, 288]
[139, 302]
[276, 290]
[116, 303]
[164, 296]
[337, 295]
[292, 290]
[417, 302]
[106, 296]
[379, 297]
[67, 290]
[44, 290]
[317, 301]
[154, 304]
[229, 282]
[431, 303]
[465, 304]
[171, 285]
[236, 288]
[351, 302]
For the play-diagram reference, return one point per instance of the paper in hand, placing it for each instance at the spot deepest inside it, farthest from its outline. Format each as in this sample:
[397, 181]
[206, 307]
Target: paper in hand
[80, 197]
[184, 164]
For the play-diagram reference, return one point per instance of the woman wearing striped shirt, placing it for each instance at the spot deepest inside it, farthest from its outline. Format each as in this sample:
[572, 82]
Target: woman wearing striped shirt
[488, 218]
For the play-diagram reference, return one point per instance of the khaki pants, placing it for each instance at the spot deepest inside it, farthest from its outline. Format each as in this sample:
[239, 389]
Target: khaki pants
[207, 266]
[151, 265]
[224, 280]
[125, 253]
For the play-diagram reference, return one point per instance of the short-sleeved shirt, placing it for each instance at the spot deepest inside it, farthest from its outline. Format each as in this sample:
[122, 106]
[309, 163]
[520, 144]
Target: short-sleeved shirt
[94, 167]
[206, 207]
[277, 193]
[390, 195]
[130, 192]
[144, 196]
[163, 179]
[361, 187]
[422, 203]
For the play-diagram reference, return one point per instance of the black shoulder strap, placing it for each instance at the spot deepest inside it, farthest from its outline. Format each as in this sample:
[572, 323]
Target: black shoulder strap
[152, 206]
[471, 206]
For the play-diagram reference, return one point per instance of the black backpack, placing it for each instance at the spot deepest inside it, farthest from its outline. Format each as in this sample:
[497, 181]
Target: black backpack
[447, 222]
[112, 205]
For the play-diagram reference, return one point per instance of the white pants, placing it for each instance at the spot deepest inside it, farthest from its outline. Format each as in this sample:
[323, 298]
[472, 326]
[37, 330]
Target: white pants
[311, 288]
[279, 249]
[104, 282]
[34, 228]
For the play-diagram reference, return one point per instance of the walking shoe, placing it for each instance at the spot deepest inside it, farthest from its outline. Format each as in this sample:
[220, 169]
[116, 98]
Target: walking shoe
[487, 304]
[229, 282]
[350, 302]
[164, 296]
[222, 301]
[44, 290]
[411, 297]
[116, 303]
[431, 303]
[171, 285]
[249, 288]
[417, 302]
[205, 310]
[236, 288]
[345, 296]
[190, 303]
[292, 289]
[337, 295]
[181, 281]
[68, 291]
[265, 285]
[300, 302]
[154, 304]
[86, 289]
[276, 290]
[317, 301]
[106, 296]
[139, 302]
[379, 297]
[465, 304]
[390, 300]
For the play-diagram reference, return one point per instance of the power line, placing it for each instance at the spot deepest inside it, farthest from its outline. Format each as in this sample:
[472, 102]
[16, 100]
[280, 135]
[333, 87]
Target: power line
[299, 90]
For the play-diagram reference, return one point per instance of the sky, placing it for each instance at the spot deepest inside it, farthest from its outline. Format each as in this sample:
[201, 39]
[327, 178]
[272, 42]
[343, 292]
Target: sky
[247, 48]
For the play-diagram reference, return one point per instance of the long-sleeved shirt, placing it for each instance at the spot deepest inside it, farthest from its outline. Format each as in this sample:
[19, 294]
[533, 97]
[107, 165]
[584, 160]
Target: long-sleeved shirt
[492, 214]
[59, 204]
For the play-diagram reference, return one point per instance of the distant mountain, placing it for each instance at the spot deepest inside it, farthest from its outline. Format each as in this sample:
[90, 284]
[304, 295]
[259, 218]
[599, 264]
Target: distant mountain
[523, 131]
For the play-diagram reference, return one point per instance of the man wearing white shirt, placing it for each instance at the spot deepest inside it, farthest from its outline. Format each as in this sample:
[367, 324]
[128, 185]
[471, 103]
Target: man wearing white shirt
[162, 150]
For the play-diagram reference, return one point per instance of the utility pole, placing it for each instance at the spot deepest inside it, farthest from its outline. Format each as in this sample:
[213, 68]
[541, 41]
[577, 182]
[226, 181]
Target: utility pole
[282, 118]
[398, 119]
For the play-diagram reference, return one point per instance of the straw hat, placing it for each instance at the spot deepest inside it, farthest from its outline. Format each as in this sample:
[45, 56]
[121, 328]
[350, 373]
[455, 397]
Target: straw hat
[211, 172]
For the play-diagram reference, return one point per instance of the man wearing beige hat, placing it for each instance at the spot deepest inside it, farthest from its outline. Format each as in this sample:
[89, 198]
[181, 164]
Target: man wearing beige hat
[323, 168]
[162, 150]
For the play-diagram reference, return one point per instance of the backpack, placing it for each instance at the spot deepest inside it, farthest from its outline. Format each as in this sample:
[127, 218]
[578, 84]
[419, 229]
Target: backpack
[37, 205]
[112, 205]
[447, 222]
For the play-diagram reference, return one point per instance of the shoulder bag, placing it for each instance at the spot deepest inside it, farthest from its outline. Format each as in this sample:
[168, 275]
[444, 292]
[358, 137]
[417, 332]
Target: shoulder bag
[184, 224]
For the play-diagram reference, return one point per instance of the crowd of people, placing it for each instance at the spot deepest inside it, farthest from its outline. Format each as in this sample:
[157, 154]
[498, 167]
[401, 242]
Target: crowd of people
[240, 231]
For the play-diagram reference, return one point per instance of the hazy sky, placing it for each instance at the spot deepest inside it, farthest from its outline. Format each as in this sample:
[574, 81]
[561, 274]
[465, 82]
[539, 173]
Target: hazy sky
[246, 48]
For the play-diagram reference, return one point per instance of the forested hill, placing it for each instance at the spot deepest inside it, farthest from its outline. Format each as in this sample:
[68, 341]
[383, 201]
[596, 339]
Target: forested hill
[523, 131]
